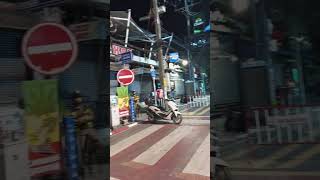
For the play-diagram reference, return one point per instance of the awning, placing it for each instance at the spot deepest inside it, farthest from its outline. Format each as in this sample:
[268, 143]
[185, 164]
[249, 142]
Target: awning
[120, 20]
[11, 20]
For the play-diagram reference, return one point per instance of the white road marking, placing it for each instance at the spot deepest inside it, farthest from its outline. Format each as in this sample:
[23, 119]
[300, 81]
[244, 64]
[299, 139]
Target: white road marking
[112, 178]
[120, 146]
[196, 111]
[277, 155]
[133, 124]
[275, 173]
[301, 158]
[240, 152]
[204, 110]
[200, 163]
[195, 122]
[50, 48]
[158, 150]
[125, 77]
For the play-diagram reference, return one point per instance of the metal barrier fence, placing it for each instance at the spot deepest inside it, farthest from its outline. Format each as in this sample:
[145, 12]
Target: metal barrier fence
[281, 125]
[194, 102]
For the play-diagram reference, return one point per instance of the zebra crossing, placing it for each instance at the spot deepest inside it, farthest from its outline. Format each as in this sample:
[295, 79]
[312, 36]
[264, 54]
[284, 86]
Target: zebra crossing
[293, 157]
[202, 113]
[161, 152]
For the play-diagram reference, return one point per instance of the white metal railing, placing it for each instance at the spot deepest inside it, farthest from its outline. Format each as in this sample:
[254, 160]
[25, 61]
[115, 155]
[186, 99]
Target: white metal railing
[195, 102]
[285, 125]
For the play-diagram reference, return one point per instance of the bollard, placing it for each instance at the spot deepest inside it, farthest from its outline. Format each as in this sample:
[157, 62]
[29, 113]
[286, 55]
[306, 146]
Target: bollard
[132, 109]
[72, 150]
[266, 115]
[258, 127]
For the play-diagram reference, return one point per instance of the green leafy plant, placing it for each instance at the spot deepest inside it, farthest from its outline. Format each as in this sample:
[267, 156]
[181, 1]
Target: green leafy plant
[122, 92]
[40, 97]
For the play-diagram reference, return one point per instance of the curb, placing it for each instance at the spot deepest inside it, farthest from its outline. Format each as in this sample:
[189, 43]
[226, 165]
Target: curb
[122, 129]
[199, 118]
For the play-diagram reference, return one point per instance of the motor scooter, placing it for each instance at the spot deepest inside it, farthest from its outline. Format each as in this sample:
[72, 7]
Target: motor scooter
[159, 113]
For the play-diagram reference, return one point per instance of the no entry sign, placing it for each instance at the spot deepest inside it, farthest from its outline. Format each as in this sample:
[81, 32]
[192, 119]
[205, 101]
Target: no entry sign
[49, 48]
[125, 76]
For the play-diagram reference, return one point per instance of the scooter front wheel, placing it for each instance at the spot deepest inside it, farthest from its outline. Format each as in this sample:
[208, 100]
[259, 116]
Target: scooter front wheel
[151, 117]
[177, 119]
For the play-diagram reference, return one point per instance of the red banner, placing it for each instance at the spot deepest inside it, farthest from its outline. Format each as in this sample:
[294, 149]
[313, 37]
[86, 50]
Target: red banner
[118, 49]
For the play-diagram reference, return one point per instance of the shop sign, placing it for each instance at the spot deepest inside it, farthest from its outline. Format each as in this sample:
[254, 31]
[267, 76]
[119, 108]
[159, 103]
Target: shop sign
[173, 57]
[42, 126]
[207, 28]
[89, 30]
[198, 22]
[118, 49]
[126, 57]
[153, 73]
[123, 101]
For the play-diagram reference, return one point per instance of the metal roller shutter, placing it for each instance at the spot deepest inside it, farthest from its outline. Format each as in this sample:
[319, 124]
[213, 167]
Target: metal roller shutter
[12, 67]
[81, 76]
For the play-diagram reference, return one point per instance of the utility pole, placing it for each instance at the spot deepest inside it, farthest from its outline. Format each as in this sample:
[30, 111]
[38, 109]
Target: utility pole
[263, 38]
[188, 37]
[159, 53]
[185, 10]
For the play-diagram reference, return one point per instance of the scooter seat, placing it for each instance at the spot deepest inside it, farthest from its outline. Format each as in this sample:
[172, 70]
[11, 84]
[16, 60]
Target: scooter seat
[161, 108]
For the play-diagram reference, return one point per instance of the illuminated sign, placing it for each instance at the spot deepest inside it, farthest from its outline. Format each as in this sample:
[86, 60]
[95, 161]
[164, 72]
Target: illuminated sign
[173, 57]
[207, 28]
[118, 49]
[197, 31]
[198, 22]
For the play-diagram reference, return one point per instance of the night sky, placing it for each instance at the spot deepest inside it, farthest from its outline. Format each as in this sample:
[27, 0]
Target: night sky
[171, 21]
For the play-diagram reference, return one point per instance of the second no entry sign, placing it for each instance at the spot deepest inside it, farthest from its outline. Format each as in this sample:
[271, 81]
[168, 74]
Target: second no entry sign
[49, 48]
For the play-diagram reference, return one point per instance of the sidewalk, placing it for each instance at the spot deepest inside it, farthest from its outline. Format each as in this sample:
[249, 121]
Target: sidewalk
[100, 172]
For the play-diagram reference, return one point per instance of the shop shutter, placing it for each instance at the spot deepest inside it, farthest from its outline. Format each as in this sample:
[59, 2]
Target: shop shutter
[10, 43]
[81, 76]
[12, 67]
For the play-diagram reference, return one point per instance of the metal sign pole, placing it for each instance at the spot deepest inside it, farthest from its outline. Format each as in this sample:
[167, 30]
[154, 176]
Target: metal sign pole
[301, 75]
[155, 90]
[153, 75]
[128, 26]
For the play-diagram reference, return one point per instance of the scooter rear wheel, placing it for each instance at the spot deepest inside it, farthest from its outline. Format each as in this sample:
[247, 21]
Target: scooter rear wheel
[177, 119]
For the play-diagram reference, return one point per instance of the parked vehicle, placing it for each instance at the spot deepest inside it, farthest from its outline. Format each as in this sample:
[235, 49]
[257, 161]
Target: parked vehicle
[171, 112]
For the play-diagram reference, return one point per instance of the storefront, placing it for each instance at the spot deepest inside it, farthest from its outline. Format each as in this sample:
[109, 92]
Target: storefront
[41, 145]
[12, 67]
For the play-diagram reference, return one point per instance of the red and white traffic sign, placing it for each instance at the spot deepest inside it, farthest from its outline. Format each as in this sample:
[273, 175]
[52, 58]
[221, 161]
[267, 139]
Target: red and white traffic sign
[49, 48]
[125, 76]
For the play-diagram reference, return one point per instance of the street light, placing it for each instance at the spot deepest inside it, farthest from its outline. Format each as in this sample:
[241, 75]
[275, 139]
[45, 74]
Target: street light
[184, 62]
